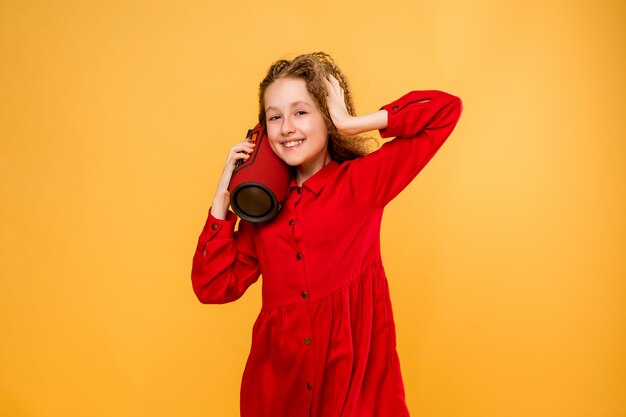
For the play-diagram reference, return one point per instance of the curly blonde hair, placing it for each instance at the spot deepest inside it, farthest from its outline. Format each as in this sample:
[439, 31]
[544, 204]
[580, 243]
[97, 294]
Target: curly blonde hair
[313, 68]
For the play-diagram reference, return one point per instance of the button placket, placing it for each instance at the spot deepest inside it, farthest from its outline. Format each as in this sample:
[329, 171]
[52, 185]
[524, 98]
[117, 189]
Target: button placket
[293, 221]
[294, 217]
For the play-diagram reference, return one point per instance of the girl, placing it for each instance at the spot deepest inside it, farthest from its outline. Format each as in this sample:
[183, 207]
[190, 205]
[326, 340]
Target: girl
[324, 342]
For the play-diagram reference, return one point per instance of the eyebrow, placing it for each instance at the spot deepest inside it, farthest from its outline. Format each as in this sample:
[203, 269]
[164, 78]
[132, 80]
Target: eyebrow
[295, 103]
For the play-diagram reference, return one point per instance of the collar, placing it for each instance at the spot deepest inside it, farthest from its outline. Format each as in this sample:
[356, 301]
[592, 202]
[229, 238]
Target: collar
[318, 180]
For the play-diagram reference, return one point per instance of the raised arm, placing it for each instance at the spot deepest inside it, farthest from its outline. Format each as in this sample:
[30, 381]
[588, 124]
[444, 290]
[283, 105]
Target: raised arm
[420, 121]
[225, 262]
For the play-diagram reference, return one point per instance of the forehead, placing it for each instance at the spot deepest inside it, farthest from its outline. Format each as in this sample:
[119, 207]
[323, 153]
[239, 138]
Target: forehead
[287, 91]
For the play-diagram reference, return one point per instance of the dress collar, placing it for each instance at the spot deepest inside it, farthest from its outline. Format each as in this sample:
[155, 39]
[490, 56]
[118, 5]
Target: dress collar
[318, 180]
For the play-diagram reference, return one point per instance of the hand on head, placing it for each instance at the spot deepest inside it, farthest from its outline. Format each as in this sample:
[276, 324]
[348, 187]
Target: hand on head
[336, 103]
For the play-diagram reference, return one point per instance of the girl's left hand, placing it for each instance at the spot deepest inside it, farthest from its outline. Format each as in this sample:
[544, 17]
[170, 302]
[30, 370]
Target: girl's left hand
[337, 105]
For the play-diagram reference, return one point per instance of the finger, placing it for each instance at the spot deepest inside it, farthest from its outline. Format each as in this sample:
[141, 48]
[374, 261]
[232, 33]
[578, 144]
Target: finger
[336, 85]
[234, 155]
[245, 142]
[339, 87]
[329, 85]
[241, 155]
[332, 81]
[232, 161]
[244, 146]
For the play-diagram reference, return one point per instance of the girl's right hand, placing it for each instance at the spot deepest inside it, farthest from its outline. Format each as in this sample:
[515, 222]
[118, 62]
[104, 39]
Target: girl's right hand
[221, 201]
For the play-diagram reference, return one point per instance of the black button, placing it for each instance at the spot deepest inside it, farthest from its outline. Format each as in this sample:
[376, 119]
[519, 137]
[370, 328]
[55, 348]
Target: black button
[305, 294]
[307, 341]
[299, 256]
[214, 226]
[309, 385]
[291, 222]
[394, 107]
[299, 190]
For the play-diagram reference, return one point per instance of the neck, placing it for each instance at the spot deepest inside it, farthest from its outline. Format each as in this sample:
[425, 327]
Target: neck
[306, 171]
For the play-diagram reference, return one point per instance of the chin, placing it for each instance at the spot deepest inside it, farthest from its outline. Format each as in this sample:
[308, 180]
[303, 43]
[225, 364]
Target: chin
[291, 160]
[286, 157]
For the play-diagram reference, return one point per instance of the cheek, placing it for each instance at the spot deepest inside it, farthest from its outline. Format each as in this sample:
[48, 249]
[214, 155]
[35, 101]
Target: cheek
[321, 135]
[273, 146]
[320, 127]
[270, 135]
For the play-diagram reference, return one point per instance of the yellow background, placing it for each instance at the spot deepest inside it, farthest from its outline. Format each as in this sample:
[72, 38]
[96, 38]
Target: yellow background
[506, 256]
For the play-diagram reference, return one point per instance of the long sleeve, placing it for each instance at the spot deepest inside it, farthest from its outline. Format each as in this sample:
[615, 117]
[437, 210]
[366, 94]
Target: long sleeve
[420, 121]
[225, 261]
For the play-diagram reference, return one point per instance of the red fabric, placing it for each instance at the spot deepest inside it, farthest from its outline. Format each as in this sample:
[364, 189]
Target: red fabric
[324, 343]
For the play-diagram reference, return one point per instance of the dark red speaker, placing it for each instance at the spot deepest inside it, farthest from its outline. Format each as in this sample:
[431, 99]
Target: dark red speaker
[259, 184]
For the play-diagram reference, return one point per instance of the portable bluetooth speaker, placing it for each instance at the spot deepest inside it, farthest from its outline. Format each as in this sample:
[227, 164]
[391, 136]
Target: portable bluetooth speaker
[259, 184]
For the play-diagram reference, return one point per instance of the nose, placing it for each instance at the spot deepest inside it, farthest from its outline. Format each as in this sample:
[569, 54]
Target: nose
[287, 127]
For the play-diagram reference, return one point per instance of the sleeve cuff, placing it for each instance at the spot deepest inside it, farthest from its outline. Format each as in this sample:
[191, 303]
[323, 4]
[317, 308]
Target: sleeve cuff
[399, 115]
[217, 227]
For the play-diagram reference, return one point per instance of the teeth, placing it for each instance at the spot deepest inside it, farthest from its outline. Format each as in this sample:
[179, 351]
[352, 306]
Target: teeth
[293, 143]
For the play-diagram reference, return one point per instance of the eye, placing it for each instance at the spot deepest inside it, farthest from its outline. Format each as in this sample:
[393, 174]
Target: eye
[300, 112]
[275, 117]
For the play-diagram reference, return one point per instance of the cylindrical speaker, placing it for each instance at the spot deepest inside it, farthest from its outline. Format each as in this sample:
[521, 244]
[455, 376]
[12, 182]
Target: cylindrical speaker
[259, 184]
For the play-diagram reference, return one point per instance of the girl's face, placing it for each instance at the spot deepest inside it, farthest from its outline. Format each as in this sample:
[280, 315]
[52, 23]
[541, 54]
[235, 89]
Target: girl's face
[295, 126]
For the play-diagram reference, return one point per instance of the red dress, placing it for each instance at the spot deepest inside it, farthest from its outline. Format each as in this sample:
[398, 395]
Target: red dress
[324, 342]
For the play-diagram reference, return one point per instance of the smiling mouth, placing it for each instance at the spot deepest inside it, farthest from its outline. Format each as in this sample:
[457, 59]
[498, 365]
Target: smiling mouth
[292, 143]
